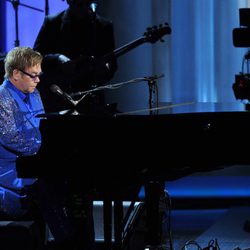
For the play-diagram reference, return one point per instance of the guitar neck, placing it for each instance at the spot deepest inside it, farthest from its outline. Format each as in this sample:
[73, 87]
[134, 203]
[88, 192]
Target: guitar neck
[127, 47]
[152, 35]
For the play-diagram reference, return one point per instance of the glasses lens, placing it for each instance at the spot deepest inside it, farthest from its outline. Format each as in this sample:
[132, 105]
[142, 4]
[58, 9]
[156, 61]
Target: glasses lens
[31, 76]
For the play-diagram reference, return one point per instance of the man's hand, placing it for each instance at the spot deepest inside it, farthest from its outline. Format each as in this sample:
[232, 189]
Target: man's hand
[67, 66]
[63, 59]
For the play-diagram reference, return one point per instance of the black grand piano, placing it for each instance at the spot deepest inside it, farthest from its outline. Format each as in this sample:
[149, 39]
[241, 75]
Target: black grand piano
[135, 144]
[141, 146]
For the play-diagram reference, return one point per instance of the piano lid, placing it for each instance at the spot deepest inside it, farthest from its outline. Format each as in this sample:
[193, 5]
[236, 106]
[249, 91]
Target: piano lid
[163, 108]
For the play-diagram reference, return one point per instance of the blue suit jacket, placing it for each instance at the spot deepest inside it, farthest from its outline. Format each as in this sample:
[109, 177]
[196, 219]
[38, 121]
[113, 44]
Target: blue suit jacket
[19, 131]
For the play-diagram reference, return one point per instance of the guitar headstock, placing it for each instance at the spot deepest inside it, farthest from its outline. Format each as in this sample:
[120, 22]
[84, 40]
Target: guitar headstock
[155, 33]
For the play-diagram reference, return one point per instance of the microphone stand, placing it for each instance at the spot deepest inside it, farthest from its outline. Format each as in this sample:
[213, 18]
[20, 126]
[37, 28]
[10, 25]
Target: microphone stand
[92, 9]
[151, 82]
[46, 7]
[15, 4]
[153, 88]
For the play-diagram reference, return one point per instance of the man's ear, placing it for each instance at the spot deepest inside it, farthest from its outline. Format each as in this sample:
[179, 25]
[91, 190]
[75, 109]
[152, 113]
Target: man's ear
[16, 74]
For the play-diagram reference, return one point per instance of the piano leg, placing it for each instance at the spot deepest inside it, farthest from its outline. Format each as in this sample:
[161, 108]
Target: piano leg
[154, 190]
[118, 224]
[107, 221]
[120, 221]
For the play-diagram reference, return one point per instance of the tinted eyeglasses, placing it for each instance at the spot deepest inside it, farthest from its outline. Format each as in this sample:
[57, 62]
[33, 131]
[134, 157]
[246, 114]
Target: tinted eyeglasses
[31, 76]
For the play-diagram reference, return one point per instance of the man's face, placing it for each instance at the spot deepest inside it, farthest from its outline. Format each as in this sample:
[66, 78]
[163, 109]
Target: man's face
[79, 8]
[79, 3]
[27, 80]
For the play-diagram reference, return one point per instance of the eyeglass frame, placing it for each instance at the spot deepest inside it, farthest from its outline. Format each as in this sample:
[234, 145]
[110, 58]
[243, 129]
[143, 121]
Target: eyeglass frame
[31, 76]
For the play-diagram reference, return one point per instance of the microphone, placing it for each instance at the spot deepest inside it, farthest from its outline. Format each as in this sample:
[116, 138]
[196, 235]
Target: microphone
[57, 90]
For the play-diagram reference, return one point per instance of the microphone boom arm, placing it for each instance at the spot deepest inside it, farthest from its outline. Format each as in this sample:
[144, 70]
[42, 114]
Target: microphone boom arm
[115, 85]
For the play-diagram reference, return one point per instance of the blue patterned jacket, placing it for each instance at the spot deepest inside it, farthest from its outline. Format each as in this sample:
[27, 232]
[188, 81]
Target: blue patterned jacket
[19, 131]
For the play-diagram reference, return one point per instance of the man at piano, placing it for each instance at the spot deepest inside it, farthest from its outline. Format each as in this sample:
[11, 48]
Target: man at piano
[20, 102]
[68, 216]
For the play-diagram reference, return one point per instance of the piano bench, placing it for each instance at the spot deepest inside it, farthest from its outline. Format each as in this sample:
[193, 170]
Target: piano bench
[22, 235]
